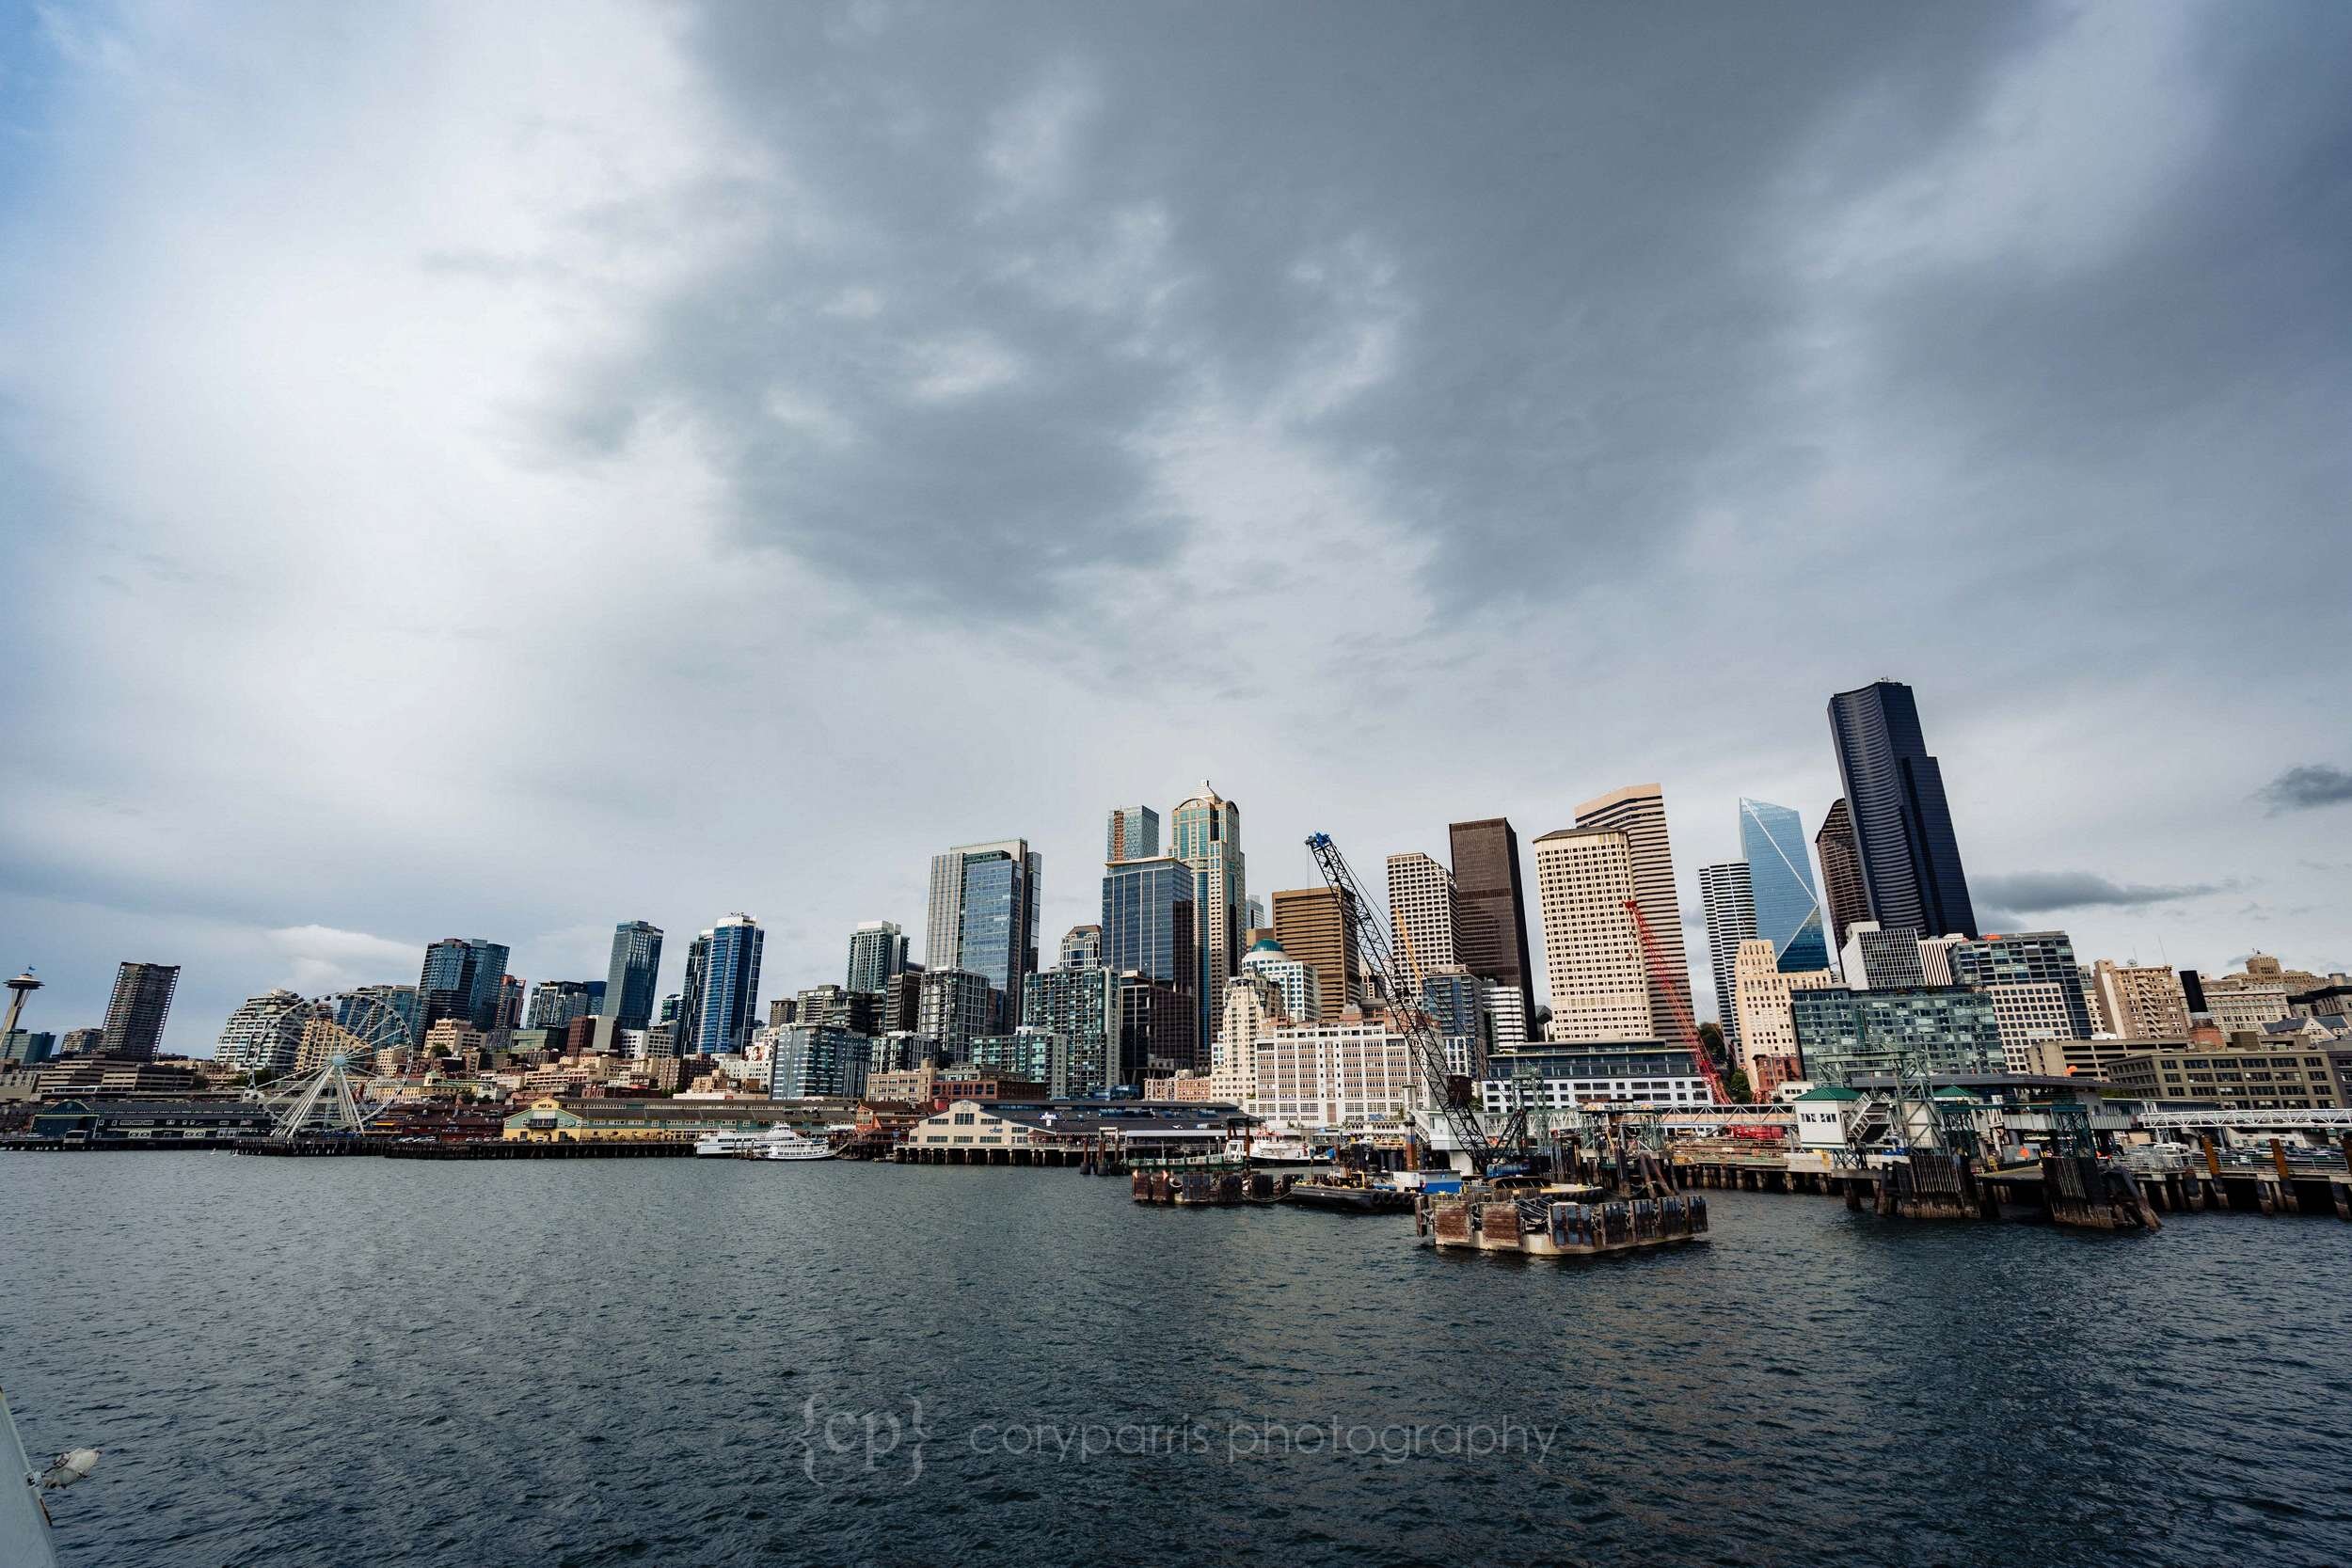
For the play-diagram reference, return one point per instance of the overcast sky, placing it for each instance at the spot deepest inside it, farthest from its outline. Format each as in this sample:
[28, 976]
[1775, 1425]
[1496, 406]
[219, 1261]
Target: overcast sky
[503, 470]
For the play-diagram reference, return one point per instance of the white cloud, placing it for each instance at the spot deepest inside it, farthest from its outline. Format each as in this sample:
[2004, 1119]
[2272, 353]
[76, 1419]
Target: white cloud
[1031, 145]
[962, 365]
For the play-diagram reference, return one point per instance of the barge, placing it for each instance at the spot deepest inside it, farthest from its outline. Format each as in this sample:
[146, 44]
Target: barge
[1215, 1189]
[1536, 1221]
[1350, 1192]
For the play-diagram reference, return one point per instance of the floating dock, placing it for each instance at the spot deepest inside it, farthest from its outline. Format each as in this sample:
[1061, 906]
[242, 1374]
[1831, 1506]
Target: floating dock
[2031, 1191]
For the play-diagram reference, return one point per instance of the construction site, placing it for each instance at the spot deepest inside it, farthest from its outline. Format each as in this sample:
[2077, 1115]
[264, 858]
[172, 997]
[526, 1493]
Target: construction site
[1902, 1143]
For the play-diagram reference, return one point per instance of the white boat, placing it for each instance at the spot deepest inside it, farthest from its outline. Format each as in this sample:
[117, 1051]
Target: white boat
[1278, 1149]
[773, 1142]
[782, 1143]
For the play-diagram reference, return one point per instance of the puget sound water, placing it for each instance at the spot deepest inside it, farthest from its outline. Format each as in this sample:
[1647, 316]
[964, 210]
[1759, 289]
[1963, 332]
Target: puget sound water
[578, 1363]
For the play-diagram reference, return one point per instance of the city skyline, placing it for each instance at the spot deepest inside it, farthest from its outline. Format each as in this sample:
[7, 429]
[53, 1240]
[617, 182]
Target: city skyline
[554, 411]
[676, 967]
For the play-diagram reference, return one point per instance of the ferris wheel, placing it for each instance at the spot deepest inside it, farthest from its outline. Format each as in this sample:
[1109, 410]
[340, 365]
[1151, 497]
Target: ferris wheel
[334, 1043]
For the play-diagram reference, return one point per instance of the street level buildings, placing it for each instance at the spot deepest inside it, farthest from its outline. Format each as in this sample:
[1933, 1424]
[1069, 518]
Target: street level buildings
[1590, 1072]
[2264, 1078]
[1842, 1032]
[1159, 1032]
[1348, 1071]
[2141, 1002]
[2026, 958]
[1768, 1028]
[1876, 960]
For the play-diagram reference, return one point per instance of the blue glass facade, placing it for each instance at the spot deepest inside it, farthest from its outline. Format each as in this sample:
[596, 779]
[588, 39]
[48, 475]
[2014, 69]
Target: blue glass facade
[1453, 1000]
[1843, 1033]
[1780, 883]
[630, 980]
[992, 895]
[724, 1013]
[1148, 921]
[1902, 828]
[461, 979]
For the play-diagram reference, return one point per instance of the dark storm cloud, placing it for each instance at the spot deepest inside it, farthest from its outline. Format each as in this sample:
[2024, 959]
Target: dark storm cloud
[1581, 240]
[1578, 391]
[1567, 355]
[2046, 892]
[2307, 788]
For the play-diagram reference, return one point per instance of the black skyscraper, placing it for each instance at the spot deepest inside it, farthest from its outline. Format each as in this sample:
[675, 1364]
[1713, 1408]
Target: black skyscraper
[1901, 827]
[1490, 907]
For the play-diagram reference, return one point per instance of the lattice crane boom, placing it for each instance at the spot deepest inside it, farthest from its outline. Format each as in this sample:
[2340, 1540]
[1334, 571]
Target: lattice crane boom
[1661, 978]
[1368, 937]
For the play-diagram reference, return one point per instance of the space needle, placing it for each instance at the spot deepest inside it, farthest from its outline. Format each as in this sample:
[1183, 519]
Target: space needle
[19, 989]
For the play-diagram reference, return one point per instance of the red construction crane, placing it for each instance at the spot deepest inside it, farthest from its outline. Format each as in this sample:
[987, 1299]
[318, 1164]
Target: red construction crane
[1661, 980]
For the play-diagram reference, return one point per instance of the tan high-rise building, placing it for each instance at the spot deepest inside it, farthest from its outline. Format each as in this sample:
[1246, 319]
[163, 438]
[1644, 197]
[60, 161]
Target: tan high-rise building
[1639, 812]
[1592, 957]
[1253, 1006]
[1760, 990]
[1309, 924]
[1421, 903]
[2141, 1003]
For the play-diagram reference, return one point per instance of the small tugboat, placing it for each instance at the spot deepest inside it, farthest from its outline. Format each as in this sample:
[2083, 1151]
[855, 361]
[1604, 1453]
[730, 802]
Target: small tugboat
[1350, 1192]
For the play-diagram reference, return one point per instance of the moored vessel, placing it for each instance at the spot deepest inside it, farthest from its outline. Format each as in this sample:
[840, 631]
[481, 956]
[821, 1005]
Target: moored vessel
[1349, 1192]
[1535, 1220]
[774, 1142]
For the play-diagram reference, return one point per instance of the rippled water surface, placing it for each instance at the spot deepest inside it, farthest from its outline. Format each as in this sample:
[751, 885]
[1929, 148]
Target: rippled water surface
[708, 1362]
